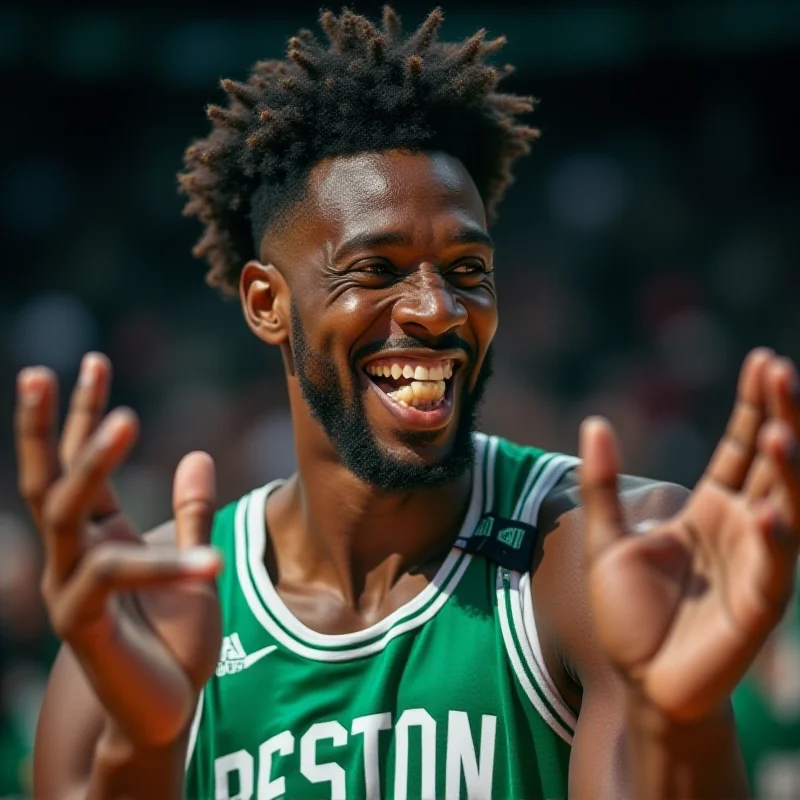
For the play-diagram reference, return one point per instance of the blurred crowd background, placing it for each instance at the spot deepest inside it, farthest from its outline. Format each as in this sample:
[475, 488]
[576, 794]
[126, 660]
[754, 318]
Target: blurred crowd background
[651, 239]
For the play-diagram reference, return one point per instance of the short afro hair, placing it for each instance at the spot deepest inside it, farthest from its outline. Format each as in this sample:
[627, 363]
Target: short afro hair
[365, 89]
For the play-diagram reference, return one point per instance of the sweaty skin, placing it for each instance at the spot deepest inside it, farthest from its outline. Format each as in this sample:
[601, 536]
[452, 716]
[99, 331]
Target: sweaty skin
[385, 250]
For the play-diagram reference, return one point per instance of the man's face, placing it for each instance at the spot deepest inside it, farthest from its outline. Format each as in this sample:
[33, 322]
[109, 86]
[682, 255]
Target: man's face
[393, 313]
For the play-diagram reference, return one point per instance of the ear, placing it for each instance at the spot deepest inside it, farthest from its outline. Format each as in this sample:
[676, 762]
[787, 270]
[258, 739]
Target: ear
[264, 294]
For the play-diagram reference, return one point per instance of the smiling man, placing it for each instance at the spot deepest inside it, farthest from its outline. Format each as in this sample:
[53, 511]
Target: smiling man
[421, 611]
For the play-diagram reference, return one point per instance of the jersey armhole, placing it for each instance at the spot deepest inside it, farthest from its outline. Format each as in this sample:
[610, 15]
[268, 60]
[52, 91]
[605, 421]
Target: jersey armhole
[519, 623]
[556, 469]
[535, 657]
[530, 671]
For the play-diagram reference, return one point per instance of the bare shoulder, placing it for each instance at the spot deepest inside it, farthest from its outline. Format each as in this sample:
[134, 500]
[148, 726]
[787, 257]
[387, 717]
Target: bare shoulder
[561, 523]
[559, 582]
[642, 498]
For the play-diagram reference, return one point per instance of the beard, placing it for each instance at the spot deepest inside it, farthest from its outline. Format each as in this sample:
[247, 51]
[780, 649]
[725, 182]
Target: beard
[346, 425]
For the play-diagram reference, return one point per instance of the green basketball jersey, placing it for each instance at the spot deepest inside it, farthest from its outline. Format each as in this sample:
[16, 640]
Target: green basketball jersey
[447, 697]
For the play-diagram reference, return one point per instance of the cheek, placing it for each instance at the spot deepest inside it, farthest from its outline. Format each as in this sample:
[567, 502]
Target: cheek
[351, 304]
[340, 329]
[483, 316]
[363, 317]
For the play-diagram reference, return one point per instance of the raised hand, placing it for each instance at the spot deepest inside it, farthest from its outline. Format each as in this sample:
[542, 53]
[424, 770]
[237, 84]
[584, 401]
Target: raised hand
[682, 606]
[142, 619]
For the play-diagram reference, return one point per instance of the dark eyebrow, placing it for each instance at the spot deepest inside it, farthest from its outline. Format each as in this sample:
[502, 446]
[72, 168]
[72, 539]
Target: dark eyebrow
[373, 241]
[471, 236]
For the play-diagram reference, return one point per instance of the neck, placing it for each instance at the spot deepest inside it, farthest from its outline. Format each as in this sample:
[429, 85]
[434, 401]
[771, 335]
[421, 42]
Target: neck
[332, 530]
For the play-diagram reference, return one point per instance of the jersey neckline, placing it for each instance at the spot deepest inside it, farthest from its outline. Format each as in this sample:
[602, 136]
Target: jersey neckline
[276, 618]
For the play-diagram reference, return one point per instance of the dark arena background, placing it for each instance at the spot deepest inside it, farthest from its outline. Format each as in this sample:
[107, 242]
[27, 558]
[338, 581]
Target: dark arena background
[650, 240]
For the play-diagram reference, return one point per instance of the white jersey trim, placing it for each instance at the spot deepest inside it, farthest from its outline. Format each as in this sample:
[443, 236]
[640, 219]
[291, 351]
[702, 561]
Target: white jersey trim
[315, 654]
[525, 625]
[544, 476]
[260, 594]
[524, 617]
[491, 443]
[519, 669]
[551, 474]
[195, 729]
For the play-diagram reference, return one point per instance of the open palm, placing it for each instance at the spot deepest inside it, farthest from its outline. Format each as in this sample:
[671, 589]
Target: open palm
[682, 606]
[141, 616]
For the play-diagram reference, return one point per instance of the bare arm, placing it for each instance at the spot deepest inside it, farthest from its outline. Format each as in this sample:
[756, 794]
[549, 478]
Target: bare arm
[621, 748]
[139, 616]
[70, 724]
[79, 754]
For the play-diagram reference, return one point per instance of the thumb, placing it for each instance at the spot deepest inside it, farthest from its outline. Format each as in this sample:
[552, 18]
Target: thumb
[598, 476]
[194, 499]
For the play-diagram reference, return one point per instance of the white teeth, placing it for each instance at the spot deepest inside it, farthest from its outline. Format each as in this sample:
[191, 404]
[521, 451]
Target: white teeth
[420, 393]
[405, 393]
[441, 371]
[426, 389]
[422, 406]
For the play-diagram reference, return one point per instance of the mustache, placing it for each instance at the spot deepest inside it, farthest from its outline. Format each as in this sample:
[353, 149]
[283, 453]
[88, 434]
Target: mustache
[448, 341]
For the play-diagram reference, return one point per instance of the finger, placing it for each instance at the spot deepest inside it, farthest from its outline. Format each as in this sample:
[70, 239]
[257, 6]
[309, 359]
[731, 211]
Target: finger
[87, 404]
[736, 450]
[69, 504]
[35, 422]
[776, 566]
[780, 379]
[194, 499]
[783, 390]
[598, 483]
[779, 444]
[120, 567]
[87, 407]
[760, 479]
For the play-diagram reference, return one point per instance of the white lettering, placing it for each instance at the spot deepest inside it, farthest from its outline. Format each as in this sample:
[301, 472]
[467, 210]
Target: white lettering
[371, 726]
[461, 757]
[420, 718]
[241, 762]
[469, 770]
[328, 772]
[282, 744]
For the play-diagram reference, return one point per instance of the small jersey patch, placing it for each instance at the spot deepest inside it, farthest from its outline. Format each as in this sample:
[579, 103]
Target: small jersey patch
[506, 542]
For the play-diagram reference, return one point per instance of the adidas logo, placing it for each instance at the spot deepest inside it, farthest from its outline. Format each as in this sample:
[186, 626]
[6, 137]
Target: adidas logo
[232, 657]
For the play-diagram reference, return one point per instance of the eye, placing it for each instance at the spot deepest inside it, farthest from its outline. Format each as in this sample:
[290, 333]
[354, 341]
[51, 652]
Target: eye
[468, 268]
[374, 273]
[376, 268]
[471, 271]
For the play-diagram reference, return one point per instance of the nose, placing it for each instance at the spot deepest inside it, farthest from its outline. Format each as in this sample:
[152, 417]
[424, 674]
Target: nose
[429, 304]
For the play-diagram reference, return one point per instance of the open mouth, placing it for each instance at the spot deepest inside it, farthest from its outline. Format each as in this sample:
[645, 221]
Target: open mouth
[413, 383]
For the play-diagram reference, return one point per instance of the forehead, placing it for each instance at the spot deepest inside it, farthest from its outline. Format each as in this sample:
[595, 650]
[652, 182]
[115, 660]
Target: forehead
[372, 191]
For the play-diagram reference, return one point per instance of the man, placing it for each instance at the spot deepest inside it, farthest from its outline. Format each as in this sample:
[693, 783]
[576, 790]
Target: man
[420, 611]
